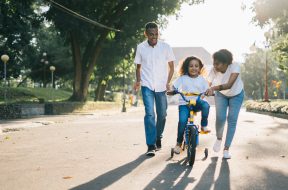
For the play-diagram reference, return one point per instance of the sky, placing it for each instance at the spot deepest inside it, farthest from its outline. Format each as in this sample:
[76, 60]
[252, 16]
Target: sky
[215, 25]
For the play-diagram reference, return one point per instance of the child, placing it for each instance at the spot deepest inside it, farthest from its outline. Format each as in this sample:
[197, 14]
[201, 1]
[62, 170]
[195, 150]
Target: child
[190, 81]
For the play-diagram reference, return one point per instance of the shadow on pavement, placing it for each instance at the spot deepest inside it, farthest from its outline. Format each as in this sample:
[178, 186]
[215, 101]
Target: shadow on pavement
[207, 177]
[112, 176]
[174, 176]
[223, 180]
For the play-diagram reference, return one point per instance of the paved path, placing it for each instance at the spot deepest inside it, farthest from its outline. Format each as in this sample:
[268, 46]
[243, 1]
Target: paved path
[105, 151]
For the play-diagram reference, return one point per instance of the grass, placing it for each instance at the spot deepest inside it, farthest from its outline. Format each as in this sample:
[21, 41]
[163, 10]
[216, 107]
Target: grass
[32, 95]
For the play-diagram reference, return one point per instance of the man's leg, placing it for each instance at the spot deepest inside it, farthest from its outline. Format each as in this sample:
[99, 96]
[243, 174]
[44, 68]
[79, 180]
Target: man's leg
[149, 119]
[161, 110]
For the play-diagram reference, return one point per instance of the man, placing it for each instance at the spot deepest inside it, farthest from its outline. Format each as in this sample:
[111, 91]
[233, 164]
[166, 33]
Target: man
[155, 68]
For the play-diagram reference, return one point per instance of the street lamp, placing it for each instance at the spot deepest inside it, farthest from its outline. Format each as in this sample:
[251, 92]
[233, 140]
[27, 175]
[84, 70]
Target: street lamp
[253, 48]
[124, 95]
[45, 63]
[52, 69]
[266, 44]
[5, 59]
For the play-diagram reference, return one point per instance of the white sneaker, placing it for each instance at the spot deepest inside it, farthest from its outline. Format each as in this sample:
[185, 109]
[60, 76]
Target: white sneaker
[217, 145]
[206, 129]
[226, 154]
[177, 149]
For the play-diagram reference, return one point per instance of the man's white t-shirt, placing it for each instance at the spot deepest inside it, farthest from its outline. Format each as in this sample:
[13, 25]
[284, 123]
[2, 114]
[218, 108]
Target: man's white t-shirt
[218, 78]
[154, 64]
[189, 84]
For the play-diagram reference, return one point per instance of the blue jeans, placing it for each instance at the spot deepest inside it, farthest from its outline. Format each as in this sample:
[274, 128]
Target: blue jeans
[233, 104]
[184, 112]
[154, 129]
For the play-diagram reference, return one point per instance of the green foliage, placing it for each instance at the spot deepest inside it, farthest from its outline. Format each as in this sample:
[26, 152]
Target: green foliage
[17, 95]
[58, 54]
[253, 74]
[17, 23]
[129, 16]
[280, 47]
[276, 10]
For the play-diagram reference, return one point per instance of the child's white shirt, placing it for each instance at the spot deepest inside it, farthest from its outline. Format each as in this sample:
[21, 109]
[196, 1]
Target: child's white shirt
[189, 84]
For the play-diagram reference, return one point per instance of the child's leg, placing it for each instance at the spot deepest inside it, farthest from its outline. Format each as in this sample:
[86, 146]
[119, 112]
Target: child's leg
[183, 117]
[204, 107]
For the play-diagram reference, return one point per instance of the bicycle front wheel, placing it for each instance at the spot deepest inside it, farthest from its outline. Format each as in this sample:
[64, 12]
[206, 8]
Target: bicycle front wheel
[191, 150]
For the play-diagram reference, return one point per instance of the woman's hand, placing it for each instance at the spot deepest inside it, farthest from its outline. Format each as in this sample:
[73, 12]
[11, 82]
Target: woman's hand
[210, 92]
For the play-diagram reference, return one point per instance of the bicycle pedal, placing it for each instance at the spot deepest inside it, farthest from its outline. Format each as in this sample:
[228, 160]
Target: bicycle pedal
[204, 132]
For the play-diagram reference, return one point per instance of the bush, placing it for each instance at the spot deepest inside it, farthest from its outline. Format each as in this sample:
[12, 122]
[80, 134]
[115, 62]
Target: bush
[274, 107]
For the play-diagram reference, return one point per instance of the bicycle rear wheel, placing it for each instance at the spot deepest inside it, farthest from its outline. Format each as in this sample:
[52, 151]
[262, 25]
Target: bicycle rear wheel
[191, 150]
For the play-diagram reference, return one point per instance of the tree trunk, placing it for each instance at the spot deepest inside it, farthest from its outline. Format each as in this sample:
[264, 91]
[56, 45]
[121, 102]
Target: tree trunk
[102, 92]
[77, 90]
[97, 90]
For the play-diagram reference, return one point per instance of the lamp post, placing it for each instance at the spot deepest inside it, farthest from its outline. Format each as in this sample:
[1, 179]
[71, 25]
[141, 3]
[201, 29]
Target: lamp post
[5, 59]
[52, 69]
[45, 62]
[267, 44]
[124, 95]
[253, 48]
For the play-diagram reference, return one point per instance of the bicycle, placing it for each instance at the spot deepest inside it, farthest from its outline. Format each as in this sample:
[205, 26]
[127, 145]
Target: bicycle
[191, 134]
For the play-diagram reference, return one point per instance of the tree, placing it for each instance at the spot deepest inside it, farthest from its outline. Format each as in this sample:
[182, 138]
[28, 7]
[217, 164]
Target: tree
[17, 24]
[275, 11]
[253, 74]
[87, 40]
[58, 54]
[271, 10]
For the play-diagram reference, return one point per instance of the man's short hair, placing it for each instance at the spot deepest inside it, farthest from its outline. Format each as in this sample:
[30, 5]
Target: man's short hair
[151, 25]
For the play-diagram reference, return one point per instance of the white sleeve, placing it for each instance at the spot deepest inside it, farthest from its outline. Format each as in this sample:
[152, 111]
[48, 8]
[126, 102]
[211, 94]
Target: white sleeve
[170, 54]
[235, 68]
[205, 85]
[137, 59]
[177, 83]
[211, 75]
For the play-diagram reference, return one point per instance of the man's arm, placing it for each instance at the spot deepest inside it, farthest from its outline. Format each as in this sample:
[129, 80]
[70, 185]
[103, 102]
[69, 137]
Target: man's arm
[170, 74]
[138, 77]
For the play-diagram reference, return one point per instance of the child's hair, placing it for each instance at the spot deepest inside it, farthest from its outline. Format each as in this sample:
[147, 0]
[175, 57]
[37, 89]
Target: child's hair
[224, 56]
[184, 67]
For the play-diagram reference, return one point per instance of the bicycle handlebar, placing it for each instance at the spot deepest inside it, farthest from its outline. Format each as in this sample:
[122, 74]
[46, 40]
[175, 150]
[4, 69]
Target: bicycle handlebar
[183, 94]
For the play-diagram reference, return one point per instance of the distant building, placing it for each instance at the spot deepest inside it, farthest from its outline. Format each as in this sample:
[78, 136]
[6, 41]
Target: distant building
[182, 52]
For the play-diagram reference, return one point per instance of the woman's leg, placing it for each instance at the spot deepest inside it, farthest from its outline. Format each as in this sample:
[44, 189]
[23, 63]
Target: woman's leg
[221, 104]
[235, 104]
[183, 118]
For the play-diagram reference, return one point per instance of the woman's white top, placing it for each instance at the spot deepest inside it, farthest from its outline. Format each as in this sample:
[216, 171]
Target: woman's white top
[218, 78]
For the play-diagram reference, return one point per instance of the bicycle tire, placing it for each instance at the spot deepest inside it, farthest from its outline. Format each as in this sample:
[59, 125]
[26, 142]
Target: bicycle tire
[191, 150]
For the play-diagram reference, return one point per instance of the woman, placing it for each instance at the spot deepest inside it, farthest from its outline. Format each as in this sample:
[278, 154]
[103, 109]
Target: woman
[226, 82]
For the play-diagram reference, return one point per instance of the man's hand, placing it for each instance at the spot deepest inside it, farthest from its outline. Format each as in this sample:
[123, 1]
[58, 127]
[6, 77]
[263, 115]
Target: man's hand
[168, 87]
[137, 86]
